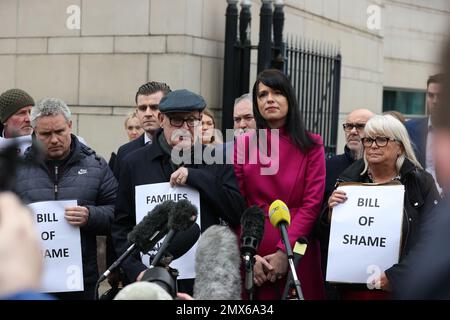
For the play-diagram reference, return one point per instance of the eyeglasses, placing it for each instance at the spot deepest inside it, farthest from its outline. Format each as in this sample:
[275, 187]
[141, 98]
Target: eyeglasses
[349, 126]
[178, 122]
[379, 141]
[245, 118]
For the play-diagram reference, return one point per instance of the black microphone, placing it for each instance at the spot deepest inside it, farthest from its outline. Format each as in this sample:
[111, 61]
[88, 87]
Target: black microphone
[164, 276]
[181, 218]
[252, 222]
[145, 234]
[181, 243]
[217, 262]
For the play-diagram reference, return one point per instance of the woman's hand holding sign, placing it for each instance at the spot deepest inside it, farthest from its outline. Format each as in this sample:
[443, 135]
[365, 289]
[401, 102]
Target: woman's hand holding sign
[338, 196]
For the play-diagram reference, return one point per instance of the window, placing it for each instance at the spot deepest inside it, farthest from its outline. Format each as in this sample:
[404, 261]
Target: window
[407, 102]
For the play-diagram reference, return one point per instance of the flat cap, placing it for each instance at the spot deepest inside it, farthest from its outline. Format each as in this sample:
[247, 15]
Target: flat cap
[181, 101]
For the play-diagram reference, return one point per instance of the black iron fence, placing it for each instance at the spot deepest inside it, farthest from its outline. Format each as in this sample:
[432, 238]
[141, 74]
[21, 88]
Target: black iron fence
[315, 71]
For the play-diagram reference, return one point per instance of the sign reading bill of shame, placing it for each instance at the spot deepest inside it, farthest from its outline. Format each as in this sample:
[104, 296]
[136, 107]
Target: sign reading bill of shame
[365, 232]
[147, 197]
[63, 267]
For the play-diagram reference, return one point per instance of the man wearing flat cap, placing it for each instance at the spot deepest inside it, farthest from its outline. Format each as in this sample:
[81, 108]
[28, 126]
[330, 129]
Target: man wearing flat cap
[15, 108]
[220, 198]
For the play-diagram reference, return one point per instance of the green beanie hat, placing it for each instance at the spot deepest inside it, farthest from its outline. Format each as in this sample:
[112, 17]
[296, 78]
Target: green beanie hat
[12, 101]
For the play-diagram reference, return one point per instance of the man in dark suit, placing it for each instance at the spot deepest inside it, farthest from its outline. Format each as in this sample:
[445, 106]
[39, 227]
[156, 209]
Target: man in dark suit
[220, 198]
[147, 100]
[421, 129]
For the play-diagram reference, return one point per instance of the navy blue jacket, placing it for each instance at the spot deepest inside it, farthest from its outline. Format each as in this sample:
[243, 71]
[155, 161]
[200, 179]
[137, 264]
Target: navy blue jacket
[96, 189]
[418, 131]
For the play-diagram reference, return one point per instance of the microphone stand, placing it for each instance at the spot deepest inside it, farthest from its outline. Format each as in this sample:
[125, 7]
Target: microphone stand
[290, 255]
[248, 265]
[290, 285]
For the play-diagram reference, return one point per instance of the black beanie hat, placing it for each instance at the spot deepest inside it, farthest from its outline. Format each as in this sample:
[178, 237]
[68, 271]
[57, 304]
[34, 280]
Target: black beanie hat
[12, 101]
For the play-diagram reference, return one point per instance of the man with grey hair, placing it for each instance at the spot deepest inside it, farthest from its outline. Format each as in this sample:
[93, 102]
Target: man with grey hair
[69, 171]
[243, 114]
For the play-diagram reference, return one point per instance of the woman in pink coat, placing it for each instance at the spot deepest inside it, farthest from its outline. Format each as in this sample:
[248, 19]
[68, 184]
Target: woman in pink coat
[293, 172]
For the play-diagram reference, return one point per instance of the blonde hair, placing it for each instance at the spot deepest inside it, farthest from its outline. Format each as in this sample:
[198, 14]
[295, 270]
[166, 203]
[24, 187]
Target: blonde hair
[131, 115]
[391, 127]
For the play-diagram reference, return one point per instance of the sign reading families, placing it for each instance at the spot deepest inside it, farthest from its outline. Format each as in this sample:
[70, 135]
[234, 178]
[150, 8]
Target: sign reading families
[63, 267]
[150, 195]
[365, 232]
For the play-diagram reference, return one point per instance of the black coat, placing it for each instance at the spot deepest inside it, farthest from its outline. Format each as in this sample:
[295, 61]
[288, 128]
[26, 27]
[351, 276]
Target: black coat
[96, 190]
[421, 196]
[220, 198]
[126, 149]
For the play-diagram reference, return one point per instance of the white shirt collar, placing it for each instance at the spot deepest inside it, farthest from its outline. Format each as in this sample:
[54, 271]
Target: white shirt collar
[147, 139]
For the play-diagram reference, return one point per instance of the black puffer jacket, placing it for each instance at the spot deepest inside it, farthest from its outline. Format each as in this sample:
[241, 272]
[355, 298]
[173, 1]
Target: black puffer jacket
[85, 177]
[421, 196]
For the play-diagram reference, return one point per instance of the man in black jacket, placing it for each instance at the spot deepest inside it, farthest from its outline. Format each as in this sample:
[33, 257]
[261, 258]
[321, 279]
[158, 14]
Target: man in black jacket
[147, 100]
[220, 198]
[70, 171]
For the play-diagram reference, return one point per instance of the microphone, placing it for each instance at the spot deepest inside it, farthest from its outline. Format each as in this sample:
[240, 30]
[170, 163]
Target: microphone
[145, 234]
[217, 262]
[281, 218]
[252, 222]
[181, 243]
[181, 218]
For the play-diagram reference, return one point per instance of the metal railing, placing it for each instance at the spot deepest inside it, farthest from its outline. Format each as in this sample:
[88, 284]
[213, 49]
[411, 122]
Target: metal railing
[315, 72]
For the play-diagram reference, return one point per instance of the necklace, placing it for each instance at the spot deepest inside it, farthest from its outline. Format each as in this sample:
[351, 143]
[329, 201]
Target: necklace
[372, 180]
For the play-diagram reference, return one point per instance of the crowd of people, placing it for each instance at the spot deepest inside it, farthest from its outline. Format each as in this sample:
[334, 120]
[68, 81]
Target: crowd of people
[380, 149]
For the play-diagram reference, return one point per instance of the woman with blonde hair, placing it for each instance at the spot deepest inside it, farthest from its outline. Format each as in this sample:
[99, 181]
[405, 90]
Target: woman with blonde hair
[388, 156]
[133, 126]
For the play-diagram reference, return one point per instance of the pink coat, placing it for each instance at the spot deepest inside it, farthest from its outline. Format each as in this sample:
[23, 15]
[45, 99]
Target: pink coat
[300, 183]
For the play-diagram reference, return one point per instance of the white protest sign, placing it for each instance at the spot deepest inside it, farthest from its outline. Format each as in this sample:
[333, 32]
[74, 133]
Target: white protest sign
[61, 243]
[22, 143]
[147, 197]
[365, 232]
